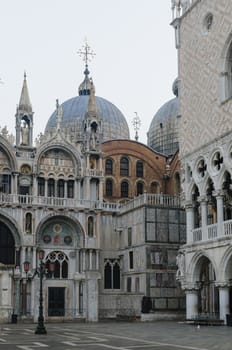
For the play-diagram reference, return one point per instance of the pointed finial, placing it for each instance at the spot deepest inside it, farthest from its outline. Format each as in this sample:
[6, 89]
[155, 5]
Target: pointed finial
[24, 102]
[136, 124]
[25, 75]
[59, 114]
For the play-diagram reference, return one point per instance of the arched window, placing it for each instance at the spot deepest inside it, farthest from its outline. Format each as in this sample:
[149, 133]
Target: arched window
[51, 188]
[7, 246]
[124, 189]
[5, 183]
[90, 226]
[70, 189]
[109, 188]
[155, 188]
[61, 264]
[177, 183]
[139, 189]
[116, 275]
[227, 198]
[212, 203]
[226, 74]
[112, 274]
[60, 188]
[139, 168]
[196, 206]
[124, 166]
[41, 186]
[109, 167]
[108, 276]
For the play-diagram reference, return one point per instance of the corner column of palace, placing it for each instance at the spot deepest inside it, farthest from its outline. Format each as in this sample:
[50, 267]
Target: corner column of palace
[191, 292]
[224, 300]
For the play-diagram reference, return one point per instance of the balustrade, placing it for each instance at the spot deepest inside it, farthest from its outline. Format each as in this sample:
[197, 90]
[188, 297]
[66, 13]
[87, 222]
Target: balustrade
[213, 231]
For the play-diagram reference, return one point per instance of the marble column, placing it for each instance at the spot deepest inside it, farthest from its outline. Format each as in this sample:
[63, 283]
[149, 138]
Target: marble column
[220, 213]
[16, 296]
[203, 203]
[90, 259]
[65, 189]
[46, 188]
[92, 296]
[224, 302]
[191, 303]
[77, 297]
[189, 220]
[24, 297]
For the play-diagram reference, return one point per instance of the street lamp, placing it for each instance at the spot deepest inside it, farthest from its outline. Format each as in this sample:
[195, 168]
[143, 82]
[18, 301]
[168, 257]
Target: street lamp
[41, 271]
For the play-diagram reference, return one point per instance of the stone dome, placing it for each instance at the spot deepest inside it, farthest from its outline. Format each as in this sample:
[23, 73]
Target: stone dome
[114, 124]
[163, 131]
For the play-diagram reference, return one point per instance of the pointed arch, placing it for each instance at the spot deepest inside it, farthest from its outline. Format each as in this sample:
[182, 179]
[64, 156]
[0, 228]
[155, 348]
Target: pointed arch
[226, 70]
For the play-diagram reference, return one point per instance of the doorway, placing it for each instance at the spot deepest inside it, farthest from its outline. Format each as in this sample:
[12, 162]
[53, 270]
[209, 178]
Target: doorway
[56, 301]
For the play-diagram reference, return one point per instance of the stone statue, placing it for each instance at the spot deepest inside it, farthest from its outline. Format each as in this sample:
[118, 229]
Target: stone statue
[185, 4]
[24, 134]
[28, 223]
[180, 262]
[93, 139]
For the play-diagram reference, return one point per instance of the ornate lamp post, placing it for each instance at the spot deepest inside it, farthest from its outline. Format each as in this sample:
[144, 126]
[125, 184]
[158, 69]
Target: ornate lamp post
[41, 271]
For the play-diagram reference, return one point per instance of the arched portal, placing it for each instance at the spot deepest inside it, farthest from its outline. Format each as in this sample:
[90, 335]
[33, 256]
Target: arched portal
[208, 298]
[7, 245]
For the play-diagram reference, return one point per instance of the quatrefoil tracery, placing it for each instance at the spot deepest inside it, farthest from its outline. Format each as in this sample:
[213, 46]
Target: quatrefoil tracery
[217, 161]
[202, 167]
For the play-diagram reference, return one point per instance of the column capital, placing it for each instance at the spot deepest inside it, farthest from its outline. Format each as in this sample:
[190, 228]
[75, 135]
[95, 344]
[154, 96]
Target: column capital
[188, 204]
[219, 193]
[191, 287]
[225, 284]
[202, 199]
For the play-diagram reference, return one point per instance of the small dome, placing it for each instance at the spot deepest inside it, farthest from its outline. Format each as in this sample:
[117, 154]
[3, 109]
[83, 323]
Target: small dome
[163, 131]
[114, 124]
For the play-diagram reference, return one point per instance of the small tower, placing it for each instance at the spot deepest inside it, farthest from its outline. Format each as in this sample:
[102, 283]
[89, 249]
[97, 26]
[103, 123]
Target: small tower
[24, 118]
[91, 135]
[92, 123]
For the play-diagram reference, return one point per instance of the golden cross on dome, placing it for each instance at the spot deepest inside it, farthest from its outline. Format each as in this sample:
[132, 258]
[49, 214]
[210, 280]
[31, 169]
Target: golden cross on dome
[136, 124]
[86, 53]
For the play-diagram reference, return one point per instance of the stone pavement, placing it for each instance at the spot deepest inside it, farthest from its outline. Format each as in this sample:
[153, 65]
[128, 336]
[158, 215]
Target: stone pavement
[116, 335]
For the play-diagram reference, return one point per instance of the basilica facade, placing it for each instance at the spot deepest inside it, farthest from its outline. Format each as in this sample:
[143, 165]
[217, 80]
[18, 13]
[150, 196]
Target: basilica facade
[103, 210]
[204, 42]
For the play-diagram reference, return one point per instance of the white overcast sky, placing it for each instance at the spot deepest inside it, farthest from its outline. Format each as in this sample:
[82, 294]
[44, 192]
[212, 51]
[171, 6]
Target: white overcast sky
[134, 67]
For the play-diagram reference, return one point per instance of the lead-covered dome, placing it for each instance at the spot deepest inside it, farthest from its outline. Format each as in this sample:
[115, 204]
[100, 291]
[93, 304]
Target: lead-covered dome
[114, 124]
[163, 131]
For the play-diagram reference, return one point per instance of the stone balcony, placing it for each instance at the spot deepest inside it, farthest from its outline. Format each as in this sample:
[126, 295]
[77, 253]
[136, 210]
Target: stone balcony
[154, 200]
[12, 200]
[212, 232]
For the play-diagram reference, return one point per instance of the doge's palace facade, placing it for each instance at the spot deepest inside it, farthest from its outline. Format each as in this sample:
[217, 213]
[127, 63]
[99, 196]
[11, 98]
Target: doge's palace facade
[204, 42]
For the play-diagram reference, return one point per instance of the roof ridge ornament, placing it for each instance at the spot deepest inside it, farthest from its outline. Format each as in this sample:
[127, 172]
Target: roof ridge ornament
[179, 7]
[24, 101]
[136, 121]
[59, 114]
[87, 54]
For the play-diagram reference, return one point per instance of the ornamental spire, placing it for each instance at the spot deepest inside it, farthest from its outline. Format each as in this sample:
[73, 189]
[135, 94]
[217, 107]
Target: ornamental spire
[59, 114]
[24, 102]
[136, 124]
[87, 54]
